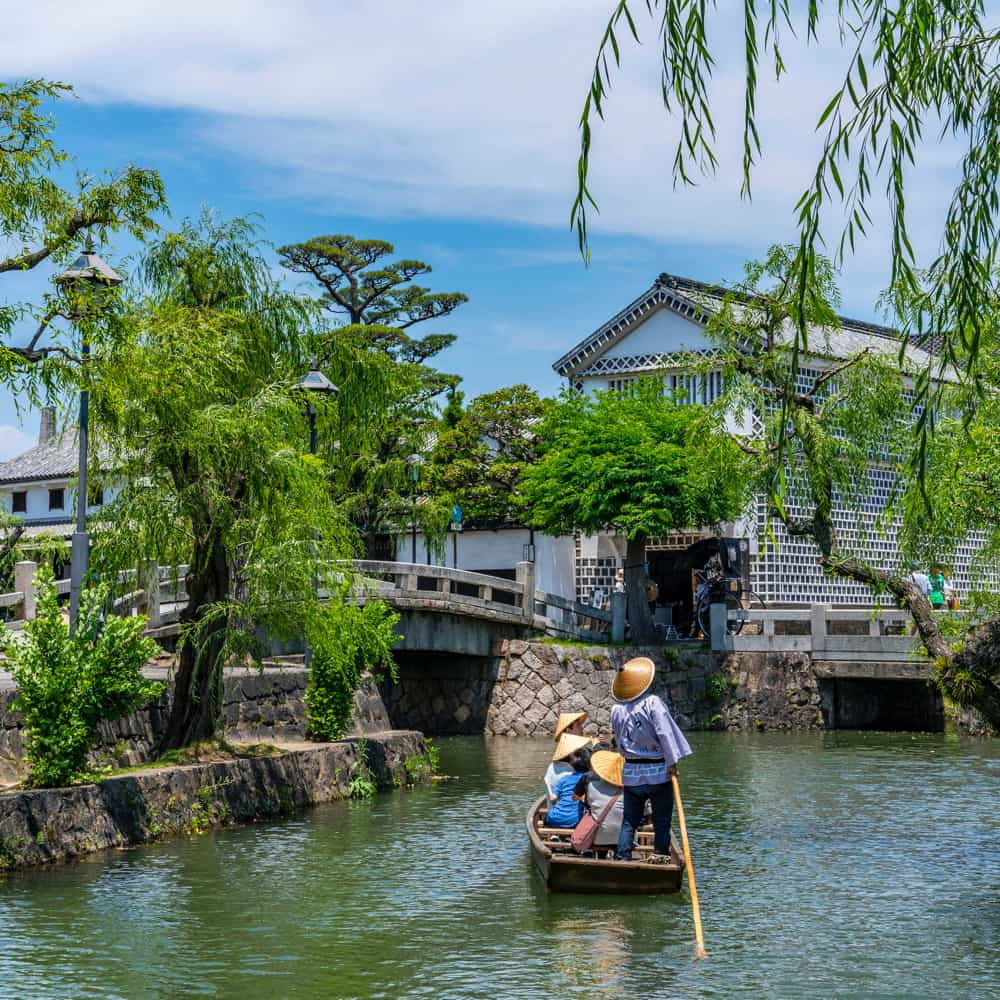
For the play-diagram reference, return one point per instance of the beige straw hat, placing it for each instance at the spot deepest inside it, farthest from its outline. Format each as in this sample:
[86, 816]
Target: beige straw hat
[633, 679]
[608, 765]
[566, 719]
[569, 742]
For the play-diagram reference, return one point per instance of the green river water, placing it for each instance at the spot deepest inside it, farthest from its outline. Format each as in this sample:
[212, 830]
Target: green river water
[833, 865]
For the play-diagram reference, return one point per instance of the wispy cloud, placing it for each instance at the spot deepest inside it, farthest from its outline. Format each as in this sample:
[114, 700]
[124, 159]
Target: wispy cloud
[13, 441]
[455, 110]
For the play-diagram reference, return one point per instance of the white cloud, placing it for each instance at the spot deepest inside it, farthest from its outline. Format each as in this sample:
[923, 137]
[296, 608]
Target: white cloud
[453, 109]
[13, 441]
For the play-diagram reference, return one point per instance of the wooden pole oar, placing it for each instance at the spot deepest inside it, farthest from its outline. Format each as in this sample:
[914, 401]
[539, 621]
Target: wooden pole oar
[695, 909]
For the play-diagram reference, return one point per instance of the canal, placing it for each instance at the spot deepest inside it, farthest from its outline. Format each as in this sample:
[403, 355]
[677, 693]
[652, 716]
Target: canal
[830, 865]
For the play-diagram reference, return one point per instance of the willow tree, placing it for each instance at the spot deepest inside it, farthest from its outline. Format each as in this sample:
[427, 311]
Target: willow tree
[913, 70]
[377, 302]
[206, 429]
[821, 438]
[639, 463]
[44, 220]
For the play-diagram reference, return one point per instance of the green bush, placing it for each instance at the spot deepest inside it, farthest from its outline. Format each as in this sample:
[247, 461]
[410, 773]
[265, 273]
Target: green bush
[68, 685]
[362, 784]
[346, 640]
[717, 687]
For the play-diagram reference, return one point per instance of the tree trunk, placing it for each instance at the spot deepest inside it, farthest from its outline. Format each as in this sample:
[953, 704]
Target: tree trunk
[198, 686]
[637, 607]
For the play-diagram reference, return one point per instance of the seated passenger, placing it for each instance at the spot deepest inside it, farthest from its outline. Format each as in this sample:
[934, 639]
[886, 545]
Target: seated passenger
[600, 786]
[564, 809]
[560, 766]
[570, 722]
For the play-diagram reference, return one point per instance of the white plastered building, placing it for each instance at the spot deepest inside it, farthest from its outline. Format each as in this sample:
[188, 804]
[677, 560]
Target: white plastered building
[649, 337]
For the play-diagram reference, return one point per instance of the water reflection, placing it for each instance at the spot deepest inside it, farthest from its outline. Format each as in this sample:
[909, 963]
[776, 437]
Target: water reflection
[830, 865]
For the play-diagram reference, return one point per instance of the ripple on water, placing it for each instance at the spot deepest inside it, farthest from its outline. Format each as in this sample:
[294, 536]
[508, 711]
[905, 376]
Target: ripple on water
[830, 865]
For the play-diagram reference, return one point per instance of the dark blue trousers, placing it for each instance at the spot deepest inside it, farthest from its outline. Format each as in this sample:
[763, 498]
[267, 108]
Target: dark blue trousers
[634, 799]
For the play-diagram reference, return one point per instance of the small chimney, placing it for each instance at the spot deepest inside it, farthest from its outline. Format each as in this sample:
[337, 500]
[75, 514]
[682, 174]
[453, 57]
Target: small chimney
[47, 426]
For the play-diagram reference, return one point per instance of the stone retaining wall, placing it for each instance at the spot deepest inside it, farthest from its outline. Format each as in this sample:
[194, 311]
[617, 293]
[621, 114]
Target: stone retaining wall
[521, 690]
[46, 825]
[258, 706]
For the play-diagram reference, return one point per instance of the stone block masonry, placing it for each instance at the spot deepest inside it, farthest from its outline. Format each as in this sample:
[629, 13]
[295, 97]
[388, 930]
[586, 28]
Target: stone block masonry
[522, 688]
[258, 706]
[45, 825]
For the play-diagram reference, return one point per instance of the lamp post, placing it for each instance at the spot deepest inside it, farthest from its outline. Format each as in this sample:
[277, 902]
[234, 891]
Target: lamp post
[415, 462]
[314, 384]
[89, 269]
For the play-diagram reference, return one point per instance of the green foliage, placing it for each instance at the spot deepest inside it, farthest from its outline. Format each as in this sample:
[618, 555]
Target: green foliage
[717, 687]
[362, 784]
[198, 411]
[346, 641]
[43, 221]
[480, 454]
[379, 301]
[908, 67]
[640, 463]
[67, 684]
[433, 755]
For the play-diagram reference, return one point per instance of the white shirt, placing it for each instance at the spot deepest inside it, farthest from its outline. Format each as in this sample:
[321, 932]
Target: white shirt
[556, 770]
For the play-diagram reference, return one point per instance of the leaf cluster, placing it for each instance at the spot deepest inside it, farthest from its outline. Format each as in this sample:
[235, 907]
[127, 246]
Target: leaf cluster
[640, 463]
[67, 685]
[479, 456]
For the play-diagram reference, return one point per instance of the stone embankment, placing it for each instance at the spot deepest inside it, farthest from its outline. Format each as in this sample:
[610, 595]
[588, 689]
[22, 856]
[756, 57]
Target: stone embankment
[258, 705]
[523, 686]
[46, 825]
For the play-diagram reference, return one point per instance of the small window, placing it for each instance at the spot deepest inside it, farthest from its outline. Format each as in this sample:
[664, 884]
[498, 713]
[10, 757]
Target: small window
[57, 499]
[19, 502]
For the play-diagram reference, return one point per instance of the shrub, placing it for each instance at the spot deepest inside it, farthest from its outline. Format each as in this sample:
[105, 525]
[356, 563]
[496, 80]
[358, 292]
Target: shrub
[716, 687]
[362, 784]
[67, 685]
[346, 641]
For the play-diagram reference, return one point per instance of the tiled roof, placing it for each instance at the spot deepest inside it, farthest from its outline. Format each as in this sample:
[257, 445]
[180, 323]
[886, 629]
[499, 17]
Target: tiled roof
[55, 459]
[694, 299]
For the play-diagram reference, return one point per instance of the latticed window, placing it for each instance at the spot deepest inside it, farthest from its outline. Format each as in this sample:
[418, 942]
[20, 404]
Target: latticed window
[621, 385]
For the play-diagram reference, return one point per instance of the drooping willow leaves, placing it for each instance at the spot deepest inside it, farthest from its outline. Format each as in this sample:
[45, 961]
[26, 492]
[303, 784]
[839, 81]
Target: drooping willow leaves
[914, 70]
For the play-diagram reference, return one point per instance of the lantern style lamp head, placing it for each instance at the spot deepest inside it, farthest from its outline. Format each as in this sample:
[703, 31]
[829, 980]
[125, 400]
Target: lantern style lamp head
[92, 268]
[315, 381]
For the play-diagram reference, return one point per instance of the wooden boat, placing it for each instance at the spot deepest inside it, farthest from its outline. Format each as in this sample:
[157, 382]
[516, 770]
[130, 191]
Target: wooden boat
[566, 871]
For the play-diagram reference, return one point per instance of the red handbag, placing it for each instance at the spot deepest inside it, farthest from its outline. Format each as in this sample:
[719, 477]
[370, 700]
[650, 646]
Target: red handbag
[585, 832]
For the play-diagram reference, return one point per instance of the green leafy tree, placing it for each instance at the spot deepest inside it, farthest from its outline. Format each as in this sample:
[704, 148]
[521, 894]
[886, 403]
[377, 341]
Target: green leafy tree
[67, 685]
[910, 68]
[201, 418]
[641, 464]
[43, 220]
[378, 302]
[819, 441]
[478, 460]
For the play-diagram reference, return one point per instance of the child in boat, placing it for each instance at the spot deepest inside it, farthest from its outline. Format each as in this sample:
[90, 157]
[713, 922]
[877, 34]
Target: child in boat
[570, 722]
[601, 785]
[565, 811]
[568, 743]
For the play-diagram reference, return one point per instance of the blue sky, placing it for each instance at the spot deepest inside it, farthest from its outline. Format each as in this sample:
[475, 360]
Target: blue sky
[451, 133]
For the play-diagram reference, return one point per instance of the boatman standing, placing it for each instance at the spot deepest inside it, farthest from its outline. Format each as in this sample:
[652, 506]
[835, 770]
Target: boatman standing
[652, 743]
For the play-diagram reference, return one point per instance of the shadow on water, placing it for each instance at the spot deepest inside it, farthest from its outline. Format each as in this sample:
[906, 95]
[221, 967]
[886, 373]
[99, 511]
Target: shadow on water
[830, 865]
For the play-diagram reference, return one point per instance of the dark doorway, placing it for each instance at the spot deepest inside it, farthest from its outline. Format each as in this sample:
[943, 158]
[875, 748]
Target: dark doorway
[887, 705]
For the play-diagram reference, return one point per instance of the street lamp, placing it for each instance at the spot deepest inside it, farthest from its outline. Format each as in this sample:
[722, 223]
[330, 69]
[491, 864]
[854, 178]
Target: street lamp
[314, 384]
[415, 462]
[89, 269]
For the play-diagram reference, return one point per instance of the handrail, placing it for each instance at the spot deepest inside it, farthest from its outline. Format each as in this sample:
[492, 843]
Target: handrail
[438, 573]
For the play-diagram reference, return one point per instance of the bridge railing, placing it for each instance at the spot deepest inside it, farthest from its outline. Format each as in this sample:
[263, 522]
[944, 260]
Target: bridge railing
[441, 588]
[826, 633]
[156, 591]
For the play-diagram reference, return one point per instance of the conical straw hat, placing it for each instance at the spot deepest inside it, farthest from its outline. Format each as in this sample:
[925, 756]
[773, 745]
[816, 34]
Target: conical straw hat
[633, 679]
[569, 742]
[608, 765]
[566, 719]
